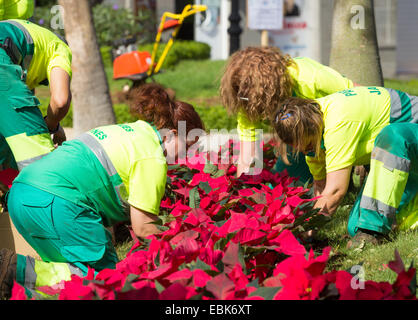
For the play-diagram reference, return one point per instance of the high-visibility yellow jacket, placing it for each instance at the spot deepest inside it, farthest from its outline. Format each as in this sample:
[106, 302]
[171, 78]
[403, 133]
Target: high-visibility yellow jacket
[49, 51]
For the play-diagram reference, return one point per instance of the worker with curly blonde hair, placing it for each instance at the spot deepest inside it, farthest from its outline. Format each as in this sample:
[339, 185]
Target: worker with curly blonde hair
[257, 79]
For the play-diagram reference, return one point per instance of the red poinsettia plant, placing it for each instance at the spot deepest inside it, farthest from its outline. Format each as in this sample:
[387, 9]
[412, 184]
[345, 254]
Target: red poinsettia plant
[229, 238]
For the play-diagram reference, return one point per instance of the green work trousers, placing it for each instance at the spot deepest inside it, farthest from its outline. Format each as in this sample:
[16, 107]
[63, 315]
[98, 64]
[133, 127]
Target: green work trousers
[390, 194]
[67, 237]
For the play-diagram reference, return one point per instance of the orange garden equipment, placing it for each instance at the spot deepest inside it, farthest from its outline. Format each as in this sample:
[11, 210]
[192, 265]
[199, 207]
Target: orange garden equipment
[138, 66]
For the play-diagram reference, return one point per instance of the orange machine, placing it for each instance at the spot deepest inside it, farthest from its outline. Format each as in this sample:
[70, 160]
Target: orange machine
[138, 66]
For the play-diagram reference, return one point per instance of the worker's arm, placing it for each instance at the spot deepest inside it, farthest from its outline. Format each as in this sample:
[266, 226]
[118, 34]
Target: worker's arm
[142, 223]
[335, 189]
[59, 103]
[250, 155]
[251, 152]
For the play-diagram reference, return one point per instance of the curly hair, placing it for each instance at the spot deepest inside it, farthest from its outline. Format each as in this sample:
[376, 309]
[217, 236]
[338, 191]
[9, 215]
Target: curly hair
[153, 103]
[297, 122]
[256, 80]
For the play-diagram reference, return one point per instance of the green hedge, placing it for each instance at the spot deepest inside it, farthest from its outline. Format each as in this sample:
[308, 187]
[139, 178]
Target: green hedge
[110, 22]
[181, 50]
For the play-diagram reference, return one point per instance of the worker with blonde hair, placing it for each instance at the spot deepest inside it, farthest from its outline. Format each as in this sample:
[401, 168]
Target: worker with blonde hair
[257, 79]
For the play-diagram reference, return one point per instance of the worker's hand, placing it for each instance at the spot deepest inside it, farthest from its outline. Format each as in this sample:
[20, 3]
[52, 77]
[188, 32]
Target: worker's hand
[250, 169]
[59, 137]
[242, 169]
[250, 158]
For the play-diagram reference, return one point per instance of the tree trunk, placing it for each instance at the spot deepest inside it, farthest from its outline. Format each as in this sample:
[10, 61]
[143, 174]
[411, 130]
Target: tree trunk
[355, 52]
[92, 105]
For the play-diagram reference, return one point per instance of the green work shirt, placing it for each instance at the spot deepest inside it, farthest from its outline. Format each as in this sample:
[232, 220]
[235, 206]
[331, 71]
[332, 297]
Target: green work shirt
[353, 118]
[77, 173]
[49, 52]
[42, 47]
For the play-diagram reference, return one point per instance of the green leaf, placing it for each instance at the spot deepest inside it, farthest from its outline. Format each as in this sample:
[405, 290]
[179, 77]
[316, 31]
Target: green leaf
[254, 284]
[241, 253]
[159, 287]
[188, 176]
[158, 222]
[194, 198]
[219, 174]
[248, 207]
[221, 243]
[210, 168]
[220, 215]
[220, 266]
[259, 198]
[163, 228]
[128, 282]
[197, 297]
[267, 293]
[157, 259]
[220, 223]
[307, 183]
[205, 187]
[199, 264]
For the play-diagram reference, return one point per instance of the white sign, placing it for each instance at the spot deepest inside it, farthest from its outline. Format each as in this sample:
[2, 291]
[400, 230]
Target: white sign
[265, 14]
[300, 35]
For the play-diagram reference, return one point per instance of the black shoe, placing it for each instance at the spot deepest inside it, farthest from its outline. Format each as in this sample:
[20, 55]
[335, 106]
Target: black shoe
[8, 262]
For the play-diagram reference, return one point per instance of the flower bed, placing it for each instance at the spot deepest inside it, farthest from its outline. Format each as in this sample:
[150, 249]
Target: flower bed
[226, 238]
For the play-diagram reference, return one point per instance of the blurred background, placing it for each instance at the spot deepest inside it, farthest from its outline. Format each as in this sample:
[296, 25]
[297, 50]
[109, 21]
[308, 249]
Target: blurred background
[204, 43]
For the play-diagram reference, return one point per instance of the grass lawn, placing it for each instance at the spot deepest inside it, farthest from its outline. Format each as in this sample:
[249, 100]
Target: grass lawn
[373, 258]
[197, 82]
